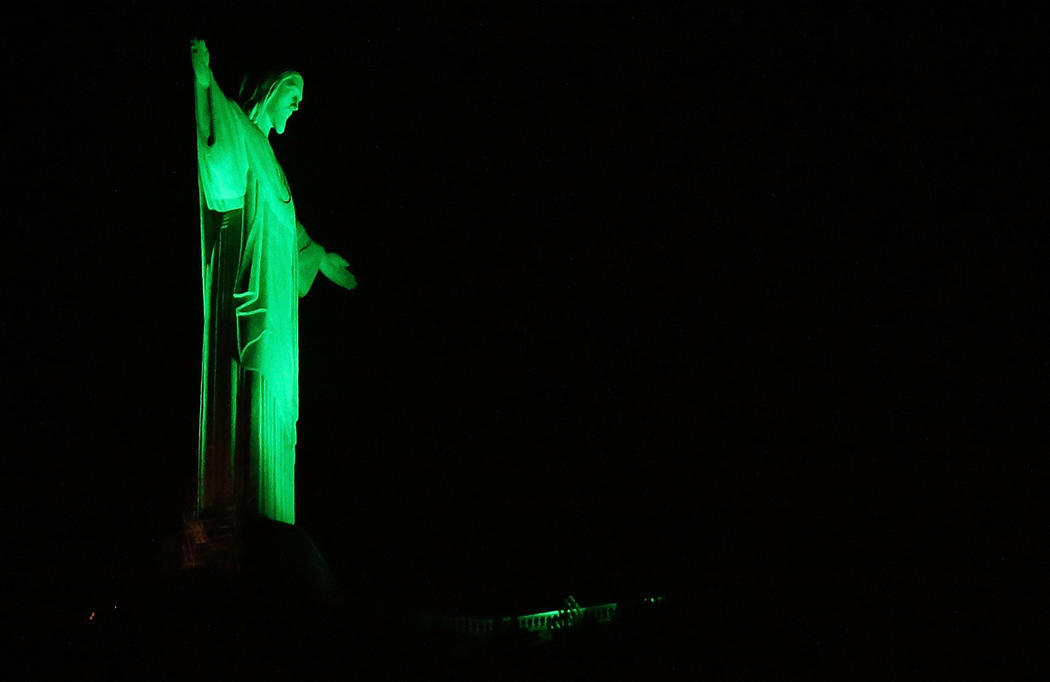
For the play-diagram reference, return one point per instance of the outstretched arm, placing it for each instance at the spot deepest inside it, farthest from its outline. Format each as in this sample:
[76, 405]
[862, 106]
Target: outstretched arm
[313, 257]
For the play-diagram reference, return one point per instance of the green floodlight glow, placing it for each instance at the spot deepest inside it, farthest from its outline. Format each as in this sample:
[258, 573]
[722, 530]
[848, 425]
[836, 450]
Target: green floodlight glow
[256, 261]
[542, 623]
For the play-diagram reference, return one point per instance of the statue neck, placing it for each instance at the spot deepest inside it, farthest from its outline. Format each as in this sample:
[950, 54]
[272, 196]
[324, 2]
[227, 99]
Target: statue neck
[264, 124]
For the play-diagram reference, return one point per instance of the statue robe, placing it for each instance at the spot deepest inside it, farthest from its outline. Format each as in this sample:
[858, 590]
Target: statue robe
[254, 272]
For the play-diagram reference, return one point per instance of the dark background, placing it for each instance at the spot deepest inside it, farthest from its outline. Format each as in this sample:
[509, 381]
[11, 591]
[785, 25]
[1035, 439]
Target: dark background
[730, 305]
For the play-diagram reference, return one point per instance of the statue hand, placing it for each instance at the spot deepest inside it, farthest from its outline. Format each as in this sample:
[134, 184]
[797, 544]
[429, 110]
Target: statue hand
[334, 268]
[201, 62]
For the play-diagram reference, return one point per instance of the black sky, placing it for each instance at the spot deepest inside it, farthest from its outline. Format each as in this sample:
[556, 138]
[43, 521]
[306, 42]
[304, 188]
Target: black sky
[646, 293]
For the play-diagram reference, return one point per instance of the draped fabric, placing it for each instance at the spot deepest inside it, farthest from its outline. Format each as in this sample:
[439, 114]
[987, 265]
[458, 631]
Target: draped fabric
[253, 273]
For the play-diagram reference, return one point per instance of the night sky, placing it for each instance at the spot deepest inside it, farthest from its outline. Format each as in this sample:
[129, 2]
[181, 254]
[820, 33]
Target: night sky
[651, 299]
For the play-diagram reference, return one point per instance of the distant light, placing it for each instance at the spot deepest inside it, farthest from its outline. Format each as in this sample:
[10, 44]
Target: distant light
[92, 616]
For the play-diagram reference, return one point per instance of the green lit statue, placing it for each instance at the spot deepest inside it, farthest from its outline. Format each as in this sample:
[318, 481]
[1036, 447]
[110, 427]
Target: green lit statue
[257, 260]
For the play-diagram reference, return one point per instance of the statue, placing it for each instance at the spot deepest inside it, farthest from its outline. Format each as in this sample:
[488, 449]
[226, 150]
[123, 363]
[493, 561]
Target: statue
[257, 260]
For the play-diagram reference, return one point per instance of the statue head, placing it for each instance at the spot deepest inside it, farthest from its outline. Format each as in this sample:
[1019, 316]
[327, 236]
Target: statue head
[274, 100]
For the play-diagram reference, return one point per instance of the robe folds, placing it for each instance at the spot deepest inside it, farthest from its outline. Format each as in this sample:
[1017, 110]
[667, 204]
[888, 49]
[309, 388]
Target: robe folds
[253, 275]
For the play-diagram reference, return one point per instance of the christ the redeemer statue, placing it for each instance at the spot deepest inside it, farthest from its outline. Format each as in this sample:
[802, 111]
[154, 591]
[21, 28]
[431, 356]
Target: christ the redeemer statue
[257, 260]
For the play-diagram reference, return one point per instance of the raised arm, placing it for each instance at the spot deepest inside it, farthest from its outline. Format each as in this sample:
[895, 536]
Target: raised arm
[221, 133]
[201, 61]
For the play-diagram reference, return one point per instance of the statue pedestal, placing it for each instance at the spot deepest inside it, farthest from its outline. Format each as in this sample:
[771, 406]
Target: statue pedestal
[267, 558]
[282, 558]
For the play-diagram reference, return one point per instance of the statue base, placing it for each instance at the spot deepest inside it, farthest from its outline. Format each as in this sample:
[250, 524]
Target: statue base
[263, 556]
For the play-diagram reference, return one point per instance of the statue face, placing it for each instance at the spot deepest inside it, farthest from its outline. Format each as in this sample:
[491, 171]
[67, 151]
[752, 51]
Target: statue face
[283, 103]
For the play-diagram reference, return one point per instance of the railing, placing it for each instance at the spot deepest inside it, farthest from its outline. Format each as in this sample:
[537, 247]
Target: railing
[542, 623]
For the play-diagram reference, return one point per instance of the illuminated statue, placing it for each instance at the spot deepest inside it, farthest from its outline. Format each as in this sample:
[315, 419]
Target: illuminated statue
[257, 260]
